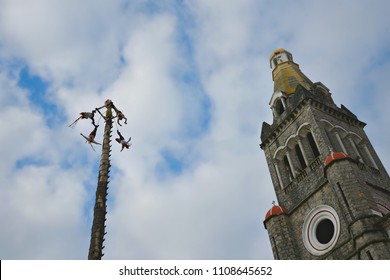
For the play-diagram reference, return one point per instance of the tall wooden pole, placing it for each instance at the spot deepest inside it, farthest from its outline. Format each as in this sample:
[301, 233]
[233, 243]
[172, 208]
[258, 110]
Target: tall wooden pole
[99, 216]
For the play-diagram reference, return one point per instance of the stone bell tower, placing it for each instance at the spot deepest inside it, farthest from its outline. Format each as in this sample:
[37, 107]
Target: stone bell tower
[332, 189]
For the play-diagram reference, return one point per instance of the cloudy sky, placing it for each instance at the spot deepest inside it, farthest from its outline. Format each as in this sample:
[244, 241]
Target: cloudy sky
[193, 78]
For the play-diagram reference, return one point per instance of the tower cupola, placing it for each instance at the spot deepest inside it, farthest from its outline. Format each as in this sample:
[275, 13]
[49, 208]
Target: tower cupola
[286, 73]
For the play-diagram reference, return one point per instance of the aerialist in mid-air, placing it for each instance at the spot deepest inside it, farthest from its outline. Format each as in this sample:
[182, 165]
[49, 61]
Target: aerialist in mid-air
[91, 138]
[85, 115]
[120, 116]
[121, 140]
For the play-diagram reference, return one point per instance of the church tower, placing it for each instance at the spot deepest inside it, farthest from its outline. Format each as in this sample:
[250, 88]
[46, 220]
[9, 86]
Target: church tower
[333, 191]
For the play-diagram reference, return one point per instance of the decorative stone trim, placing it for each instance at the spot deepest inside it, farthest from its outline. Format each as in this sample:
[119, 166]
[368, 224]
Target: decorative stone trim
[321, 230]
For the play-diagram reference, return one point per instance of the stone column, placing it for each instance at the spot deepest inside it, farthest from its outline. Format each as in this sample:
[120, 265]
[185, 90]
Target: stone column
[278, 174]
[290, 163]
[355, 149]
[370, 156]
[340, 142]
[303, 152]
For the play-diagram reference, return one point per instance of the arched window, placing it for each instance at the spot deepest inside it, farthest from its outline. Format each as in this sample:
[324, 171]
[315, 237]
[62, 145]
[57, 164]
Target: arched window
[313, 145]
[300, 157]
[279, 107]
[356, 153]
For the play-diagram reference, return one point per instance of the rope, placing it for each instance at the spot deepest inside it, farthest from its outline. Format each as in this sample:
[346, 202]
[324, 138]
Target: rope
[99, 119]
[116, 125]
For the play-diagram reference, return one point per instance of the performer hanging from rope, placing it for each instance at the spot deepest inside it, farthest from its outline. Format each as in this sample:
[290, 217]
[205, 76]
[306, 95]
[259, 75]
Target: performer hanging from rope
[85, 115]
[121, 140]
[91, 138]
[121, 116]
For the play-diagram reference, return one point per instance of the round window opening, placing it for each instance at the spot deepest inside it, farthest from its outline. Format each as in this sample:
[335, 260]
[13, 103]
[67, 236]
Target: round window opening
[321, 230]
[325, 231]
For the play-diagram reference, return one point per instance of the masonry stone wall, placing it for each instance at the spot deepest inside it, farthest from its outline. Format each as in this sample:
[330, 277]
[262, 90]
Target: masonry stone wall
[282, 241]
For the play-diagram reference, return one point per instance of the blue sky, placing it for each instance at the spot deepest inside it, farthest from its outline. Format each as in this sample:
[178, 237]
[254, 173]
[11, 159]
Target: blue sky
[194, 81]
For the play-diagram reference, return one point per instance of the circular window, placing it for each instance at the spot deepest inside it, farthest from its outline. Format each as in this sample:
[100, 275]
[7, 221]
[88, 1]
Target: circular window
[321, 230]
[325, 231]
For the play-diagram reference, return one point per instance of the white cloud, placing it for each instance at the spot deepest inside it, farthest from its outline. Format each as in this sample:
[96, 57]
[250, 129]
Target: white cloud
[64, 41]
[41, 196]
[17, 122]
[41, 208]
[138, 55]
